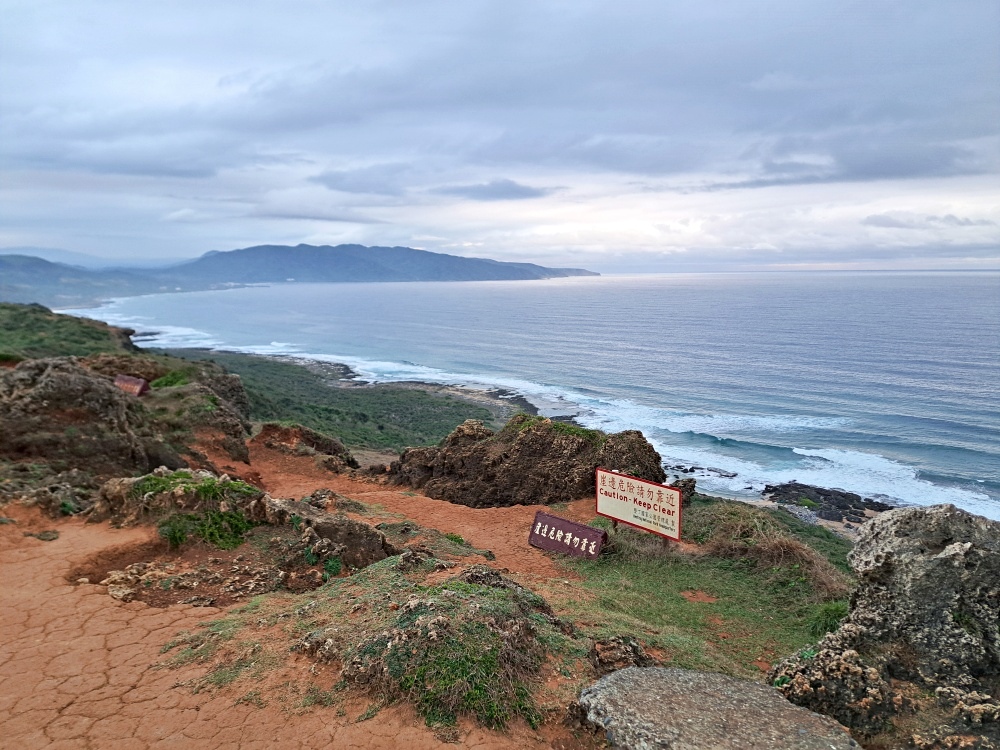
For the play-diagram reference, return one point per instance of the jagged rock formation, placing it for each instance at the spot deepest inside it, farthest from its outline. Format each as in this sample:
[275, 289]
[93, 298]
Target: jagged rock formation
[57, 411]
[923, 619]
[532, 461]
[299, 440]
[678, 709]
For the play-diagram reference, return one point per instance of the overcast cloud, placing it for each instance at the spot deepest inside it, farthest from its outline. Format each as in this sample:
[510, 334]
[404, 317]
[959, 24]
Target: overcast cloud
[626, 136]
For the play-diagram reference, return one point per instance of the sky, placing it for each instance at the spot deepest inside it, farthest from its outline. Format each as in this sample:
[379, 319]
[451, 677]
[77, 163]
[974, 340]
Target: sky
[627, 136]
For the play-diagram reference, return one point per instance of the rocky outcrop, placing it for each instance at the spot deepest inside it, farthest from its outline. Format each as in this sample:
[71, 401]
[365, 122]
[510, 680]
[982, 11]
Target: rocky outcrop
[830, 505]
[297, 440]
[130, 500]
[136, 366]
[924, 619]
[326, 534]
[59, 412]
[678, 709]
[532, 461]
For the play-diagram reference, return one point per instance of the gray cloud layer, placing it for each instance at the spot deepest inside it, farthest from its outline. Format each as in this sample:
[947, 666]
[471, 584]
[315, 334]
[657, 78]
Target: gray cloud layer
[672, 129]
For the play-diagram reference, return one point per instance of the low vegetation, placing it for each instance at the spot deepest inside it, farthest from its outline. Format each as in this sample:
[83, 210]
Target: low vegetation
[379, 416]
[752, 590]
[31, 331]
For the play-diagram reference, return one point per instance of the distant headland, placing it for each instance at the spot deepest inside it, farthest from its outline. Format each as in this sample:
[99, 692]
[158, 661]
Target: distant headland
[26, 278]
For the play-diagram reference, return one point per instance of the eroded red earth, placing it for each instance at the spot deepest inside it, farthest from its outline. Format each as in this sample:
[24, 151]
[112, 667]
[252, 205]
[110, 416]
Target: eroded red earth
[78, 669]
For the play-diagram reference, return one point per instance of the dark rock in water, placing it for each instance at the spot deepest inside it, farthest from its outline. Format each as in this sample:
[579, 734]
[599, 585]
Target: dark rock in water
[925, 618]
[532, 461]
[679, 709]
[618, 652]
[827, 503]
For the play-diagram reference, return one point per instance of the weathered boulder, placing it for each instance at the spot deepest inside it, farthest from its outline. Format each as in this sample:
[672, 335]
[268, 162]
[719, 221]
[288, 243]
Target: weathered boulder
[926, 614]
[356, 543]
[130, 500]
[679, 709]
[56, 410]
[531, 461]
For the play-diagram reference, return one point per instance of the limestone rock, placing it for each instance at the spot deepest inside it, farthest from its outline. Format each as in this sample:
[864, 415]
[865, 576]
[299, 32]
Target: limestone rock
[925, 614]
[530, 462]
[618, 652]
[356, 543]
[122, 500]
[678, 709]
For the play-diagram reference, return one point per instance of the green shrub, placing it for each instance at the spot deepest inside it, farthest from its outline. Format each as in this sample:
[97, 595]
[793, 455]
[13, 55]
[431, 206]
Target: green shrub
[172, 379]
[222, 529]
[332, 568]
[805, 502]
[175, 529]
[827, 618]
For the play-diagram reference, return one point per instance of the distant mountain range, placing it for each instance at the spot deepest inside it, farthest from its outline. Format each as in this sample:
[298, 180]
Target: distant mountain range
[25, 278]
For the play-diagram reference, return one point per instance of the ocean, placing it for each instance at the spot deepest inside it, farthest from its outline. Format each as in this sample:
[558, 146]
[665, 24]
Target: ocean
[884, 384]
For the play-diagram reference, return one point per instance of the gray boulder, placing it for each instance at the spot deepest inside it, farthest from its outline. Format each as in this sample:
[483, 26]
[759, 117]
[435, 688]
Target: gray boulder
[678, 709]
[923, 620]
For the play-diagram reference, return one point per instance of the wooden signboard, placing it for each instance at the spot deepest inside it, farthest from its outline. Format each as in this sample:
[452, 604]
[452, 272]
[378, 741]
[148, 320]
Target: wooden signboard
[645, 505]
[135, 386]
[557, 534]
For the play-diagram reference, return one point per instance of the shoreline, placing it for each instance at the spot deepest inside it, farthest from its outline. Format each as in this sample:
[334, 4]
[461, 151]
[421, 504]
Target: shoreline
[500, 402]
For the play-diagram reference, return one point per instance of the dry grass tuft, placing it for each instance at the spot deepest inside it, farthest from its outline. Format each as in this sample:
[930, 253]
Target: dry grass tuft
[736, 530]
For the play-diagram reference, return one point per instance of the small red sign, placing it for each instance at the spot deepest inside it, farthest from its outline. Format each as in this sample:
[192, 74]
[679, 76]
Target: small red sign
[557, 534]
[135, 386]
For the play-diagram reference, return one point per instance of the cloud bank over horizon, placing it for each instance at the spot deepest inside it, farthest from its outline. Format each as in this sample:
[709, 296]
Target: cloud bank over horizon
[638, 136]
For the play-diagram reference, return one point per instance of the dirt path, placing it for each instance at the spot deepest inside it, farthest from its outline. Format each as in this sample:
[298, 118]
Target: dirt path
[77, 668]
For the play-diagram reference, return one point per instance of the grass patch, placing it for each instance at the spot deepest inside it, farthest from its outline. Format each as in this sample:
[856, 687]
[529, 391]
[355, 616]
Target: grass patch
[827, 618]
[738, 531]
[31, 331]
[771, 584]
[222, 529]
[521, 422]
[172, 379]
[380, 416]
[457, 648]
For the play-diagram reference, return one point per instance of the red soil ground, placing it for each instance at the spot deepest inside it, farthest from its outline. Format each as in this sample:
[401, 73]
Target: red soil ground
[78, 668]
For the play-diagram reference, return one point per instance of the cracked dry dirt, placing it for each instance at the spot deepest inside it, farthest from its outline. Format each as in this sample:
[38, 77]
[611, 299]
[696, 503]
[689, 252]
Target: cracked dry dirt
[78, 669]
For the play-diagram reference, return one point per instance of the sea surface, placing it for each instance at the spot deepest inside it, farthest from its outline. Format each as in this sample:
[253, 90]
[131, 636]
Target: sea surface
[884, 384]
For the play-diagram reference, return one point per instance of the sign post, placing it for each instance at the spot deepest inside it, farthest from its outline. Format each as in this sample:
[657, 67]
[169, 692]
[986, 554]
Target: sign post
[645, 505]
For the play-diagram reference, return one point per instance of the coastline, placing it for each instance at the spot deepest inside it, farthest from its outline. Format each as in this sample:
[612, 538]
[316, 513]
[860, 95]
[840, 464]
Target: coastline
[501, 403]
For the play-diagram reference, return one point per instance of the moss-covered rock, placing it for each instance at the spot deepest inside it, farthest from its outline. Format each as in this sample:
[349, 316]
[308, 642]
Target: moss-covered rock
[532, 461]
